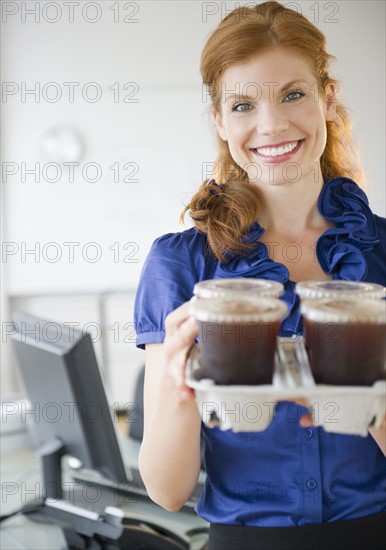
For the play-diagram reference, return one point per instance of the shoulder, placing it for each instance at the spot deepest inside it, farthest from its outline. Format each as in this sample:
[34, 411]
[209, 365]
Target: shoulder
[178, 259]
[181, 242]
[189, 247]
[174, 264]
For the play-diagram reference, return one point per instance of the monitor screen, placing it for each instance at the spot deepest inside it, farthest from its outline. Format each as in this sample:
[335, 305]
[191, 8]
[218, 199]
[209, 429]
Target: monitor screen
[65, 389]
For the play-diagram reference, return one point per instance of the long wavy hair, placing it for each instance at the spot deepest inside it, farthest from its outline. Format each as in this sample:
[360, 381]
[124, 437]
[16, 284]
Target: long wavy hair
[226, 213]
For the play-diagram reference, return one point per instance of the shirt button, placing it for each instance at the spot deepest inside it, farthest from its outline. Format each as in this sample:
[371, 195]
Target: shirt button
[309, 433]
[311, 484]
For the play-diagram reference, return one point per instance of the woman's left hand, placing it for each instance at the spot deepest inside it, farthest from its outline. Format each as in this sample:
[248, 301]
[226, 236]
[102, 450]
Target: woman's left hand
[379, 434]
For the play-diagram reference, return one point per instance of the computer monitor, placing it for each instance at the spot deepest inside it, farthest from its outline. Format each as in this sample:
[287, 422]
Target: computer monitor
[64, 386]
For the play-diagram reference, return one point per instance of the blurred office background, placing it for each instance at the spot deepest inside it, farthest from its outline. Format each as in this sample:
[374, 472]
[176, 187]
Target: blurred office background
[105, 136]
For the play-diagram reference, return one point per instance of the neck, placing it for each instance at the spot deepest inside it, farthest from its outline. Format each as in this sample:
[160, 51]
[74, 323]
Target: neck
[291, 208]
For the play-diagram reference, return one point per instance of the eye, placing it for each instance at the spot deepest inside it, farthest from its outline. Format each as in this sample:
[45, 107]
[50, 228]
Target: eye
[295, 95]
[241, 107]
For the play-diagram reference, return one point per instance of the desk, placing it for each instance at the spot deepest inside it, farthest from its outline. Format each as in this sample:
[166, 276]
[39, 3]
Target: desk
[21, 482]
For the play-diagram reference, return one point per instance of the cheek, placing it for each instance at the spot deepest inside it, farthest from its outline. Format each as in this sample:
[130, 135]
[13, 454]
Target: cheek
[239, 135]
[314, 122]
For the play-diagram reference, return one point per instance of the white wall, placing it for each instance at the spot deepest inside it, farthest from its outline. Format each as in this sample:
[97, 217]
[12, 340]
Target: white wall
[166, 133]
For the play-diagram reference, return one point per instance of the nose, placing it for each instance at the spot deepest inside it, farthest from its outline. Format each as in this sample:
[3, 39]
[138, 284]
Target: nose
[271, 119]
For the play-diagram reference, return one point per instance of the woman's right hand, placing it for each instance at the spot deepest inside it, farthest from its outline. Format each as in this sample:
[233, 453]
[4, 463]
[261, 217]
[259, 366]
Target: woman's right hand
[181, 331]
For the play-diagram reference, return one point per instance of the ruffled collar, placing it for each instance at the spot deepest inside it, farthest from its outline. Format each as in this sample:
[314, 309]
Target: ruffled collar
[339, 249]
[255, 263]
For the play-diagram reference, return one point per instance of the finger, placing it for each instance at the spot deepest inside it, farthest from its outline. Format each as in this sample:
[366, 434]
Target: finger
[187, 393]
[174, 320]
[177, 348]
[177, 364]
[182, 339]
[177, 373]
[306, 421]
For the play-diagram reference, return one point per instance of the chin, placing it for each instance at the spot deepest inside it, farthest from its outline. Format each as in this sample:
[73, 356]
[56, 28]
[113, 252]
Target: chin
[264, 183]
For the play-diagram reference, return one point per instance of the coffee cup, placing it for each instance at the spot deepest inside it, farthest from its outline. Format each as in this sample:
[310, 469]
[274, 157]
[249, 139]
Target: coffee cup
[309, 290]
[238, 338]
[345, 340]
[218, 288]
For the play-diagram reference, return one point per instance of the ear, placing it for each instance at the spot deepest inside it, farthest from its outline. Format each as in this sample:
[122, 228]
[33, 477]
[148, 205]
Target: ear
[219, 125]
[330, 101]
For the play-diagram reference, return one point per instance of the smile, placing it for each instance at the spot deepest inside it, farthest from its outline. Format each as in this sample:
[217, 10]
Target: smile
[278, 150]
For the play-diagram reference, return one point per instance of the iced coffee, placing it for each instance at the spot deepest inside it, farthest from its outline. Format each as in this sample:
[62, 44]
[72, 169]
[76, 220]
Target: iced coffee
[345, 340]
[217, 288]
[339, 289]
[238, 338]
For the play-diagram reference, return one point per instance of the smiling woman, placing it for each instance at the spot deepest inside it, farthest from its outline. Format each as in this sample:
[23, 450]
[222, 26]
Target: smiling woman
[286, 125]
[267, 73]
[287, 166]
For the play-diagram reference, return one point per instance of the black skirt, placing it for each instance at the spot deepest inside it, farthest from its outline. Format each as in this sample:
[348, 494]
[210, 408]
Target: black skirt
[368, 533]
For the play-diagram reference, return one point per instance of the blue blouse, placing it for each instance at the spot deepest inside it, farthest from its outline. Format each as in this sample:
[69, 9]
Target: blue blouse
[285, 475]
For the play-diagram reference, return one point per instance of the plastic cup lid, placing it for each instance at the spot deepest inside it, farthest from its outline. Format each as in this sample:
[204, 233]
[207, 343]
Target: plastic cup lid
[341, 310]
[339, 289]
[241, 309]
[213, 288]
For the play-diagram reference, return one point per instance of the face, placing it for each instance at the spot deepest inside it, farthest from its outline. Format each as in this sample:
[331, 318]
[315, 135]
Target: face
[273, 118]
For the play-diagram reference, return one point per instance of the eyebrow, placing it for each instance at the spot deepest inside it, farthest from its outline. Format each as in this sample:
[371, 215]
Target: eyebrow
[258, 86]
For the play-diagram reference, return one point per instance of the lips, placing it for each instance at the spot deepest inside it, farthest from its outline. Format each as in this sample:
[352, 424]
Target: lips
[278, 151]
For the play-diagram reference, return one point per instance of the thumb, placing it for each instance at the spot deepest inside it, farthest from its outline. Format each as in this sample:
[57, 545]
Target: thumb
[306, 420]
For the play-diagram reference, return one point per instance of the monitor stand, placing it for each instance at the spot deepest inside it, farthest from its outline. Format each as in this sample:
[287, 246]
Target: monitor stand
[81, 526]
[101, 527]
[51, 457]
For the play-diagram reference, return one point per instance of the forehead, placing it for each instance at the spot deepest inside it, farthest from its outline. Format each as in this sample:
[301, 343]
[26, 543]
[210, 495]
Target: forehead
[279, 65]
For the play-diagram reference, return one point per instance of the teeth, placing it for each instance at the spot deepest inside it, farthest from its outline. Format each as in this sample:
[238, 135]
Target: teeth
[276, 151]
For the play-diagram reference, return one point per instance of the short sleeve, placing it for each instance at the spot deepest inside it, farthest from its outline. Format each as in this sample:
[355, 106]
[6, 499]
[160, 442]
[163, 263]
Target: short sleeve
[167, 280]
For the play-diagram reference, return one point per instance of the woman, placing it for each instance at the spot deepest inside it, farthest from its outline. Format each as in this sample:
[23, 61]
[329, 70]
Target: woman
[285, 178]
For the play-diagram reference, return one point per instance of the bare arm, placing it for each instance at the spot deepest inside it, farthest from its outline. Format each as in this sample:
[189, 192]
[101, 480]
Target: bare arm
[169, 459]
